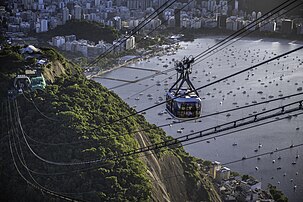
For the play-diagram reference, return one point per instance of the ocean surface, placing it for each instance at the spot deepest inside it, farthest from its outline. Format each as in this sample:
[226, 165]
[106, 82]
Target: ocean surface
[142, 85]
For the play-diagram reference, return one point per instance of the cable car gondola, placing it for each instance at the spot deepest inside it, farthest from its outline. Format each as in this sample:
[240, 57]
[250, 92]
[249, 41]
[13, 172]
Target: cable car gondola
[38, 83]
[183, 102]
[30, 81]
[21, 83]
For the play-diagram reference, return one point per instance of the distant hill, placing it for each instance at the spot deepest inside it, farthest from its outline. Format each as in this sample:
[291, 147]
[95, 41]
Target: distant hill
[91, 31]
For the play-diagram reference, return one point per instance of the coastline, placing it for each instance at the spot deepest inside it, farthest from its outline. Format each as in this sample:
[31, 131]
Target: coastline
[191, 36]
[218, 32]
[162, 50]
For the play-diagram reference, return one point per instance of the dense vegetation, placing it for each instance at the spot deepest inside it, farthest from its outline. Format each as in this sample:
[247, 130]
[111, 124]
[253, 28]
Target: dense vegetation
[277, 194]
[96, 33]
[75, 111]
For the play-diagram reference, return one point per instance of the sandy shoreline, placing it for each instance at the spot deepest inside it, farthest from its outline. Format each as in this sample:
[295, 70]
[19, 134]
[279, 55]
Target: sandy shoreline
[163, 50]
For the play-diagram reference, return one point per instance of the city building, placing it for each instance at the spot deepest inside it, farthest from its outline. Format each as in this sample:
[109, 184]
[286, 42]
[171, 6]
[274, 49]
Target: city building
[221, 21]
[213, 169]
[139, 4]
[119, 45]
[219, 173]
[65, 15]
[177, 17]
[211, 5]
[109, 4]
[268, 26]
[58, 41]
[300, 29]
[223, 174]
[78, 12]
[97, 2]
[287, 26]
[236, 5]
[25, 16]
[27, 3]
[117, 23]
[231, 24]
[43, 25]
[130, 43]
[133, 4]
[70, 38]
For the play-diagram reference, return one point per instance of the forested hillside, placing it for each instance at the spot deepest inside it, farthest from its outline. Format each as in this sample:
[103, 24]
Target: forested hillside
[73, 121]
[96, 33]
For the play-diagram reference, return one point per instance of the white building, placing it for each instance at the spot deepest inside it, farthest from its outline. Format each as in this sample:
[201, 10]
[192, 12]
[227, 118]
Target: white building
[214, 167]
[118, 23]
[254, 15]
[218, 172]
[65, 15]
[223, 174]
[130, 43]
[58, 41]
[77, 10]
[236, 5]
[43, 25]
[259, 15]
[211, 5]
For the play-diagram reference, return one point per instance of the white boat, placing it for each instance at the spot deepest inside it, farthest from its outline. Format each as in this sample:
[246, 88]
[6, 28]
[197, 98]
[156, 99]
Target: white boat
[179, 131]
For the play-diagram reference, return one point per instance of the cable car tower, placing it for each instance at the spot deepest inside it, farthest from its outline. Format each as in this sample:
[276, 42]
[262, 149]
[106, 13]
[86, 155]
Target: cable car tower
[183, 101]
